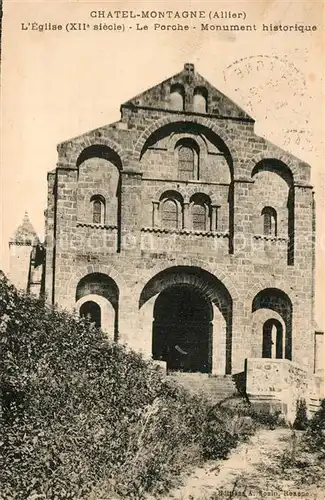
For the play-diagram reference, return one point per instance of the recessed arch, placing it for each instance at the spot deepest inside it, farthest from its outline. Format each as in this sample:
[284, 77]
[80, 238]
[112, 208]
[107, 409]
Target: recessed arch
[276, 300]
[99, 151]
[272, 339]
[95, 287]
[200, 100]
[200, 204]
[157, 131]
[99, 167]
[200, 127]
[270, 221]
[300, 171]
[188, 158]
[176, 99]
[206, 288]
[98, 208]
[69, 151]
[276, 166]
[283, 198]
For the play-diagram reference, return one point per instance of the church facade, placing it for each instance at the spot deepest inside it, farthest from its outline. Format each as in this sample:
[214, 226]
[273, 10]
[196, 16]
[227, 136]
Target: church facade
[184, 234]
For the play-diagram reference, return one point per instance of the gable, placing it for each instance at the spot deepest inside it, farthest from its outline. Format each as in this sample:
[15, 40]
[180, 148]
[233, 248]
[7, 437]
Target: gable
[194, 95]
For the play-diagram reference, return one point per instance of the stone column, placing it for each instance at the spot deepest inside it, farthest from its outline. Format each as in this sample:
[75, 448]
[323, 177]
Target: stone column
[218, 342]
[242, 223]
[214, 218]
[186, 216]
[131, 212]
[303, 267]
[155, 214]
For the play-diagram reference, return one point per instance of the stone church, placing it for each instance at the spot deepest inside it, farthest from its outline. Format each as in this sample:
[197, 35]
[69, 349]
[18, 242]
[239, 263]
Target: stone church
[182, 233]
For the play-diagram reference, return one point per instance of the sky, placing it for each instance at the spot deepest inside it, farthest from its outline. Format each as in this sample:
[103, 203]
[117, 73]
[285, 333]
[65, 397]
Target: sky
[57, 84]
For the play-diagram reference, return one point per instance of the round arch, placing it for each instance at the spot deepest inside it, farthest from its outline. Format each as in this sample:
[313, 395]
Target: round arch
[185, 286]
[72, 151]
[99, 151]
[101, 289]
[299, 171]
[109, 271]
[199, 123]
[275, 165]
[275, 300]
[272, 343]
[105, 312]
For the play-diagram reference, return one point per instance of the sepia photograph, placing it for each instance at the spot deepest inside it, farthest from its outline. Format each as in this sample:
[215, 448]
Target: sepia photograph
[162, 263]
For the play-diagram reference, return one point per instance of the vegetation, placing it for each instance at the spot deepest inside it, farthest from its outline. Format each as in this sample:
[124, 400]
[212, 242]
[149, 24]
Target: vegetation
[315, 435]
[83, 417]
[301, 420]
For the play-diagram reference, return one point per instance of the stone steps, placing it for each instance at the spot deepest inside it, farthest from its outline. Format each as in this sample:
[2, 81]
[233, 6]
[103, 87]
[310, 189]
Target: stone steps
[215, 387]
[314, 405]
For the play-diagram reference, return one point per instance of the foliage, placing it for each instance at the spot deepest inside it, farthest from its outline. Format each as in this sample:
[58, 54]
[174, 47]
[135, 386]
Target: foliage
[259, 416]
[315, 436]
[301, 420]
[83, 417]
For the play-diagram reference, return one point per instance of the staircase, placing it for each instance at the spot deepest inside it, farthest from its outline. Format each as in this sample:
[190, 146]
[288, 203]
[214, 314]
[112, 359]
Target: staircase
[216, 388]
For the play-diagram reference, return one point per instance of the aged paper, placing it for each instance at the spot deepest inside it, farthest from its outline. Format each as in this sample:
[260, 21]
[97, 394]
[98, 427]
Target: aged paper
[68, 65]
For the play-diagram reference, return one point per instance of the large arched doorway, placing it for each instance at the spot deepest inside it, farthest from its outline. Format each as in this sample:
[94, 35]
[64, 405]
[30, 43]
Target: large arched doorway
[188, 310]
[91, 311]
[182, 329]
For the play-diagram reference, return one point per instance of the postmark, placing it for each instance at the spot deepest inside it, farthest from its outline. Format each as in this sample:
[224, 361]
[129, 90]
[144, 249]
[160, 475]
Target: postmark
[274, 90]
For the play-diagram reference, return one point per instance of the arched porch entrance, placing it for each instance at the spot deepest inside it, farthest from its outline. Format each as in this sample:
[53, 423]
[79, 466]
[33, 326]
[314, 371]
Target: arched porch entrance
[186, 320]
[182, 329]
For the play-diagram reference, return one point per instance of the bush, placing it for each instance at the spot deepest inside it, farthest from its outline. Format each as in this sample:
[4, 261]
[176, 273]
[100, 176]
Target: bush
[259, 416]
[301, 420]
[315, 436]
[86, 418]
[218, 440]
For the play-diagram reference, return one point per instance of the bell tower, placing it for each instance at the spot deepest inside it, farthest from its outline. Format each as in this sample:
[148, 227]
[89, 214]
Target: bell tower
[21, 246]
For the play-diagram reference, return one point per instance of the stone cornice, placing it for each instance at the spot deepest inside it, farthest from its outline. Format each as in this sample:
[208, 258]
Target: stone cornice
[186, 232]
[270, 238]
[96, 226]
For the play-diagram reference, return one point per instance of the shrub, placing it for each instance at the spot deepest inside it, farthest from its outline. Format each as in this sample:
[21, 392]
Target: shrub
[301, 420]
[315, 436]
[87, 418]
[217, 439]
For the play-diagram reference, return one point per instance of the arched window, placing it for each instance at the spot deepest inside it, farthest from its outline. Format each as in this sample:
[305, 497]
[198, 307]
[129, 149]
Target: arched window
[176, 97]
[98, 207]
[171, 210]
[199, 217]
[272, 339]
[269, 221]
[170, 214]
[188, 159]
[186, 162]
[200, 100]
[200, 208]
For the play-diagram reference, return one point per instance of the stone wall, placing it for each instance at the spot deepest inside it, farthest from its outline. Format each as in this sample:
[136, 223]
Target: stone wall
[131, 164]
[280, 381]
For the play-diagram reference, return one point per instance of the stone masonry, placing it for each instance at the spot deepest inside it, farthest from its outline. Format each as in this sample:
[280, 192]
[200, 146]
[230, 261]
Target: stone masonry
[184, 234]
